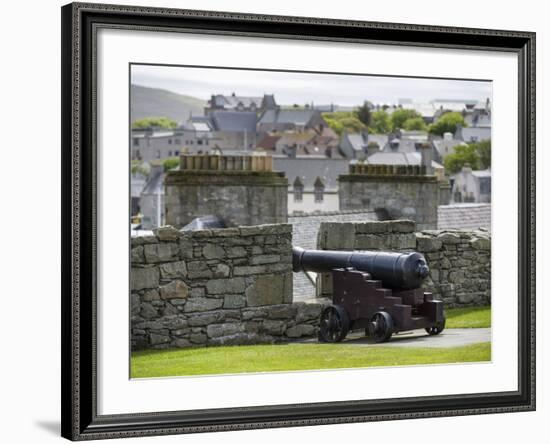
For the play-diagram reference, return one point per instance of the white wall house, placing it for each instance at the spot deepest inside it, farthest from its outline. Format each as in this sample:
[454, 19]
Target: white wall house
[471, 186]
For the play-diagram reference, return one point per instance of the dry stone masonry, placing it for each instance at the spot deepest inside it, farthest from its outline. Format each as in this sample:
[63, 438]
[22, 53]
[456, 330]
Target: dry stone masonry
[459, 260]
[213, 287]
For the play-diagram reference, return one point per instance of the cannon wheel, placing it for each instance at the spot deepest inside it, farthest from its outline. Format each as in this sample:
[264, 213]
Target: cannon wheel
[334, 324]
[437, 328]
[381, 326]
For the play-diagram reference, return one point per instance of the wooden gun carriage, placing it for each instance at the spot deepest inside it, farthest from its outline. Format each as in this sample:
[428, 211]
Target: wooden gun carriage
[372, 290]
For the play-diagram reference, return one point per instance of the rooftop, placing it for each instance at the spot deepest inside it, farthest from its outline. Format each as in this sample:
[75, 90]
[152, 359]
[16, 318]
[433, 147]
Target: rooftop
[464, 216]
[397, 158]
[309, 168]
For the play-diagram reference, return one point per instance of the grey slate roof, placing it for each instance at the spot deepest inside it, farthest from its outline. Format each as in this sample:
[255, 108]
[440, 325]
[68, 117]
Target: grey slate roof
[233, 101]
[155, 182]
[294, 116]
[464, 216]
[474, 133]
[405, 146]
[309, 168]
[380, 139]
[234, 121]
[356, 141]
[397, 158]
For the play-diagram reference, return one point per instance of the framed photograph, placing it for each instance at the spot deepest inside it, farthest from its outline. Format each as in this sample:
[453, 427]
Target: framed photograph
[275, 221]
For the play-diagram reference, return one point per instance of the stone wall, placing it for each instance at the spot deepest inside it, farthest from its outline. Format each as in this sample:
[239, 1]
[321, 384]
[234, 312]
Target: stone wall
[213, 287]
[459, 260]
[414, 197]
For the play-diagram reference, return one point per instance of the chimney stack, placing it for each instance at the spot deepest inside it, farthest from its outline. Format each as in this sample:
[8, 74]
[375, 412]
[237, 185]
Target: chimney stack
[426, 158]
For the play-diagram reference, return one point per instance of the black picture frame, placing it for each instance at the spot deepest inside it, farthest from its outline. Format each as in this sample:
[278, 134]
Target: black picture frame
[79, 172]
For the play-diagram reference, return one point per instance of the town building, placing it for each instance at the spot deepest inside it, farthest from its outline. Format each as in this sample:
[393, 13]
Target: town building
[312, 182]
[446, 145]
[153, 144]
[293, 119]
[473, 134]
[257, 104]
[361, 145]
[471, 186]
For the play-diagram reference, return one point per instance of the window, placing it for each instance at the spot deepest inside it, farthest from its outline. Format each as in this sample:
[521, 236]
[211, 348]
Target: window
[199, 142]
[170, 153]
[136, 142]
[298, 187]
[485, 185]
[169, 141]
[319, 195]
[158, 154]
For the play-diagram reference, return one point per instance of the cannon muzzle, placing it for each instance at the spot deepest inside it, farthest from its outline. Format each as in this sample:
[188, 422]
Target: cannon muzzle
[395, 270]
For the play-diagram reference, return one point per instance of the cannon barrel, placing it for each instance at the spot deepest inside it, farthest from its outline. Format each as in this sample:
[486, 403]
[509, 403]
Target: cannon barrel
[395, 270]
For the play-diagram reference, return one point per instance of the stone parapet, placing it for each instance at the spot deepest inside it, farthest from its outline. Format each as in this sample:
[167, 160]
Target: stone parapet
[459, 260]
[213, 287]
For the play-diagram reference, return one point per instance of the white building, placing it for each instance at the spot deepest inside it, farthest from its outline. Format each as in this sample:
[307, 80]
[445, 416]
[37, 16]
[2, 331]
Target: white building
[471, 186]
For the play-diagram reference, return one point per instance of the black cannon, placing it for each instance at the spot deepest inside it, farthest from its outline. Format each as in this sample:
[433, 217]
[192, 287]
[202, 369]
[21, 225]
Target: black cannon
[373, 290]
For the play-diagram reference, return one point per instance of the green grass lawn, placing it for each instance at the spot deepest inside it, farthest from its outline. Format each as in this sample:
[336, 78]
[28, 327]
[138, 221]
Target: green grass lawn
[471, 317]
[285, 357]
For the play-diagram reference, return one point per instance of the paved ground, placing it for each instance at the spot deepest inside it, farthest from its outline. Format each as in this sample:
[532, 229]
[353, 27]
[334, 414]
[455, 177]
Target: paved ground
[452, 337]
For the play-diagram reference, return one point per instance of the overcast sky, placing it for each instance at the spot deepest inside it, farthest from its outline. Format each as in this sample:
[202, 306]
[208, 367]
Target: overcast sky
[301, 88]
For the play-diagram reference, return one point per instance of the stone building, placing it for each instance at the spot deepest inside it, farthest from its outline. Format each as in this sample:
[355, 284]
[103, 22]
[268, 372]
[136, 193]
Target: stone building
[290, 120]
[361, 145]
[471, 186]
[312, 182]
[239, 189]
[233, 102]
[154, 144]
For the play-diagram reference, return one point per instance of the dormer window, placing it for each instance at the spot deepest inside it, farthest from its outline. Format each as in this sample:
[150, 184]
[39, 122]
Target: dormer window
[318, 190]
[298, 187]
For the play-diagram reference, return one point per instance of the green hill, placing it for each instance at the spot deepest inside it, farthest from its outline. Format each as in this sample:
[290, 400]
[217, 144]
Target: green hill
[154, 102]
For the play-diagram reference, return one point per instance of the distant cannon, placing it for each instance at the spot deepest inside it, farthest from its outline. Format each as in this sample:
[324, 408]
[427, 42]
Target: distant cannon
[377, 291]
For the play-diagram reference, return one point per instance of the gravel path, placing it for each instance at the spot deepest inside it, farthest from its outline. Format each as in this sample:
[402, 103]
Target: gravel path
[452, 337]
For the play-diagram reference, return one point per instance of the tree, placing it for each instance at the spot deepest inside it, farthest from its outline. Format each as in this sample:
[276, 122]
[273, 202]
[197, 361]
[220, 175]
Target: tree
[447, 123]
[343, 120]
[170, 163]
[464, 154]
[483, 148]
[152, 122]
[478, 155]
[400, 116]
[415, 124]
[380, 122]
[363, 113]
